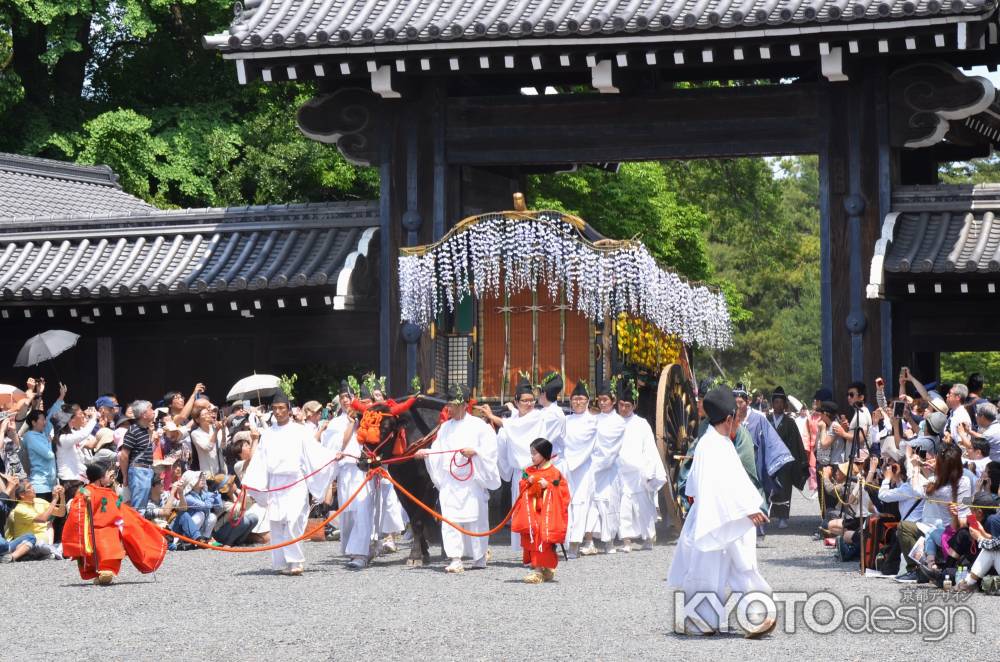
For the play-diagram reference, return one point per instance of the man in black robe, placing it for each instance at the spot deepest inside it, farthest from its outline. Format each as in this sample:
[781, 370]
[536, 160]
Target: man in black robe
[794, 473]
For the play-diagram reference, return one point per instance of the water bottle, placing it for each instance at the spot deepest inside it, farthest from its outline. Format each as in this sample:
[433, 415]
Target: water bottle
[946, 585]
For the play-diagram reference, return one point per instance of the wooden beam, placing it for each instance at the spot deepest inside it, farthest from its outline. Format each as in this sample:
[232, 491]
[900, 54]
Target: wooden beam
[707, 123]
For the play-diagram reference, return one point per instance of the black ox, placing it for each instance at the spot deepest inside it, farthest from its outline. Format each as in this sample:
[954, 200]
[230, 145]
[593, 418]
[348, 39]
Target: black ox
[419, 422]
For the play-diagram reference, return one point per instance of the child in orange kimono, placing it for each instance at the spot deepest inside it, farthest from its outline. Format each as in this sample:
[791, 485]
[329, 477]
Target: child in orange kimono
[542, 513]
[101, 530]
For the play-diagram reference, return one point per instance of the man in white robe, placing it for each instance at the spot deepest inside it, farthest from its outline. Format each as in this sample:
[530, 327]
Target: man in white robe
[602, 514]
[554, 426]
[640, 472]
[332, 437]
[514, 441]
[581, 435]
[717, 550]
[287, 452]
[332, 434]
[464, 479]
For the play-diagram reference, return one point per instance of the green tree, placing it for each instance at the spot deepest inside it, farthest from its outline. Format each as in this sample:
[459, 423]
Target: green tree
[634, 202]
[957, 366]
[136, 90]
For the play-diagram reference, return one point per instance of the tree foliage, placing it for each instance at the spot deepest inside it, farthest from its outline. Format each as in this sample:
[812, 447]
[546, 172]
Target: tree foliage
[127, 83]
[634, 202]
[957, 366]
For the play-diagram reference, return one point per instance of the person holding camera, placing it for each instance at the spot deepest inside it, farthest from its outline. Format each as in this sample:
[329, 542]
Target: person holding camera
[938, 474]
[203, 504]
[206, 441]
[33, 515]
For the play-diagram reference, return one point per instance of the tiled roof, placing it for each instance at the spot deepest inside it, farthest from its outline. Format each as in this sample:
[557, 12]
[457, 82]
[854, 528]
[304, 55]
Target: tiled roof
[388, 24]
[165, 253]
[31, 186]
[939, 230]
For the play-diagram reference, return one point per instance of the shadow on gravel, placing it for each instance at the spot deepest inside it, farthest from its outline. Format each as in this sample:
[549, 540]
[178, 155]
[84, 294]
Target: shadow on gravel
[90, 584]
[259, 573]
[811, 562]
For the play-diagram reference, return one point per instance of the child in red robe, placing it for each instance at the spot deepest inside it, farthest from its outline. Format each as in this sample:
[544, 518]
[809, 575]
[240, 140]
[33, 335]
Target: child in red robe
[101, 530]
[542, 513]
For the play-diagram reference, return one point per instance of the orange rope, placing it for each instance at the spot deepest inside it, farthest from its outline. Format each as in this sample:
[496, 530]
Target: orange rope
[442, 518]
[267, 548]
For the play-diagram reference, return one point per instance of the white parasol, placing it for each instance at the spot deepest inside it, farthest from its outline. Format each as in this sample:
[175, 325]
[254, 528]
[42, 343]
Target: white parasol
[45, 346]
[254, 387]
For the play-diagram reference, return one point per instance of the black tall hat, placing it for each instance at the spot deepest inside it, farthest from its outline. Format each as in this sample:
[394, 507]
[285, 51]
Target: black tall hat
[740, 391]
[523, 386]
[580, 389]
[345, 387]
[628, 390]
[778, 392]
[458, 394]
[552, 385]
[279, 398]
[606, 389]
[719, 403]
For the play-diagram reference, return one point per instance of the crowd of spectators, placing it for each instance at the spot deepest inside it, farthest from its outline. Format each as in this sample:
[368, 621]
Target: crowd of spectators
[909, 484]
[177, 462]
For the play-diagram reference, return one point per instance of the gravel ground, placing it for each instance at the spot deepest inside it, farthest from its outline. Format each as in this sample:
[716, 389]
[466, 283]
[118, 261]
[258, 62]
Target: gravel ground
[209, 605]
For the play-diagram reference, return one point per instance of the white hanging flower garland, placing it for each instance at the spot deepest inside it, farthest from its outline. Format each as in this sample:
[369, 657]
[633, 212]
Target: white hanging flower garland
[517, 251]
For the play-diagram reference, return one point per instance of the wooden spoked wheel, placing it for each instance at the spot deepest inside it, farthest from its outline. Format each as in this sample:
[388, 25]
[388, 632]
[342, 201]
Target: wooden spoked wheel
[676, 425]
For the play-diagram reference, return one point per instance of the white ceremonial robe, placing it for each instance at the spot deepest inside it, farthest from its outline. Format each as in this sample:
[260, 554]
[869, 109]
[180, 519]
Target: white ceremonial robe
[717, 548]
[581, 436]
[284, 455]
[554, 429]
[333, 436]
[642, 474]
[602, 516]
[514, 453]
[373, 511]
[465, 502]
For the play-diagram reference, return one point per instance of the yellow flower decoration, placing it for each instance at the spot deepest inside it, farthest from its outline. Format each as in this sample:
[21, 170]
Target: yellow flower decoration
[642, 344]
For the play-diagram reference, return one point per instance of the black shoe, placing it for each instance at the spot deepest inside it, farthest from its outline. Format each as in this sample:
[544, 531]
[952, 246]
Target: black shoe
[925, 575]
[909, 578]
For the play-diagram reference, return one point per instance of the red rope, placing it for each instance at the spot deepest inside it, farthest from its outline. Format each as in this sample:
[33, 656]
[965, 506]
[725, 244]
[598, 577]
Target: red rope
[242, 498]
[267, 548]
[293, 483]
[451, 467]
[438, 516]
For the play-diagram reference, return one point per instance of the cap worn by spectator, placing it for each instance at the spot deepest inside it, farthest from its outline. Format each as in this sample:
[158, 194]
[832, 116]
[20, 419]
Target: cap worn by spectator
[823, 395]
[936, 402]
[828, 407]
[311, 407]
[105, 401]
[986, 500]
[925, 444]
[936, 422]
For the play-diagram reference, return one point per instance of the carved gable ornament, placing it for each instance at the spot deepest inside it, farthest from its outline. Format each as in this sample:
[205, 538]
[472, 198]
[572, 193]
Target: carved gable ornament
[345, 118]
[933, 101]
